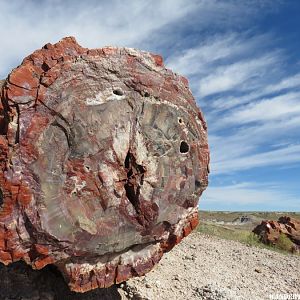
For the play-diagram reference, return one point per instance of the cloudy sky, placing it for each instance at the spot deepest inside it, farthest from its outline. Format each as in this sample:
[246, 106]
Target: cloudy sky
[242, 59]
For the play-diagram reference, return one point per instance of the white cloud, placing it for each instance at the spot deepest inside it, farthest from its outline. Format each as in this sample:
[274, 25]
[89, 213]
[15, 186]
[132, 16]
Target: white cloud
[269, 109]
[285, 83]
[227, 149]
[241, 75]
[278, 157]
[28, 25]
[202, 58]
[267, 144]
[264, 110]
[249, 147]
[250, 194]
[290, 82]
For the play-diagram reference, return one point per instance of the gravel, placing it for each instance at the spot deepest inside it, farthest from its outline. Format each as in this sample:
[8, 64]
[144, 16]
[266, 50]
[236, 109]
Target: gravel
[207, 267]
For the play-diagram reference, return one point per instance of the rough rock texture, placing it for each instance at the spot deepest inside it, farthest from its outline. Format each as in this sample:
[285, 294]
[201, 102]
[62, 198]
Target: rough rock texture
[103, 158]
[269, 231]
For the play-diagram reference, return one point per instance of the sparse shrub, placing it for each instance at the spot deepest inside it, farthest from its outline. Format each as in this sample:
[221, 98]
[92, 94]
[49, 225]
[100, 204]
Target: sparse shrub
[284, 243]
[253, 239]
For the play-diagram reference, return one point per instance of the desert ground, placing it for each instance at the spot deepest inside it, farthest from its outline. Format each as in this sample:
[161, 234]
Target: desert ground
[208, 267]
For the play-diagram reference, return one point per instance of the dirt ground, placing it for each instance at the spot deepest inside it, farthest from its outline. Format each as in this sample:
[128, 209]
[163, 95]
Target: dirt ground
[207, 267]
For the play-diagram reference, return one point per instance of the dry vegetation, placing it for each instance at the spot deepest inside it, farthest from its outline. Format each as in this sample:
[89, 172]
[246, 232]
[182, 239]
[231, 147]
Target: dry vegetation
[238, 226]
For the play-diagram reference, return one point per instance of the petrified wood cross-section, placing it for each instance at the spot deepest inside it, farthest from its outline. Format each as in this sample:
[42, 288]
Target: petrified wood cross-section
[103, 158]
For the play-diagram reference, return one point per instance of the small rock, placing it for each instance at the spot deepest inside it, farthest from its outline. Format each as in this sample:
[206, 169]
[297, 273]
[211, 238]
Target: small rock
[257, 270]
[176, 277]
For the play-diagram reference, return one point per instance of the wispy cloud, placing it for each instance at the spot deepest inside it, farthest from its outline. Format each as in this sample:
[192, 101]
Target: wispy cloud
[241, 75]
[223, 62]
[244, 142]
[283, 106]
[285, 84]
[264, 110]
[202, 58]
[251, 195]
[27, 25]
[279, 157]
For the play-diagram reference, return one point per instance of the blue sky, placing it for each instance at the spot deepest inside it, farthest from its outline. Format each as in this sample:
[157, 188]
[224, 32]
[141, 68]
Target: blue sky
[242, 59]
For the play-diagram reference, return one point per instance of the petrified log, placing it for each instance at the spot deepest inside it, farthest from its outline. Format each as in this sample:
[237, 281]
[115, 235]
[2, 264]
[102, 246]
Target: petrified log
[103, 158]
[269, 231]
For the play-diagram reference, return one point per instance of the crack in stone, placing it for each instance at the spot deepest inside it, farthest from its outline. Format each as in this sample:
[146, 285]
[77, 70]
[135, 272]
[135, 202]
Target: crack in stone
[65, 131]
[135, 178]
[1, 198]
[17, 138]
[22, 87]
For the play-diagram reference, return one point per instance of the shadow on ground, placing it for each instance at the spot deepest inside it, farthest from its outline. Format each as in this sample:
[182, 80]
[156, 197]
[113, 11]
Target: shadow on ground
[19, 282]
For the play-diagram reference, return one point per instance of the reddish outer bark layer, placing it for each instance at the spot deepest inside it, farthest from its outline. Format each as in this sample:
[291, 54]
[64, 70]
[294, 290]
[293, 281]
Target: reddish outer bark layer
[103, 156]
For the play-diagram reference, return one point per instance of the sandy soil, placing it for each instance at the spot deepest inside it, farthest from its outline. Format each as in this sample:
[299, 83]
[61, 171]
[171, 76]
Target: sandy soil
[206, 267]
